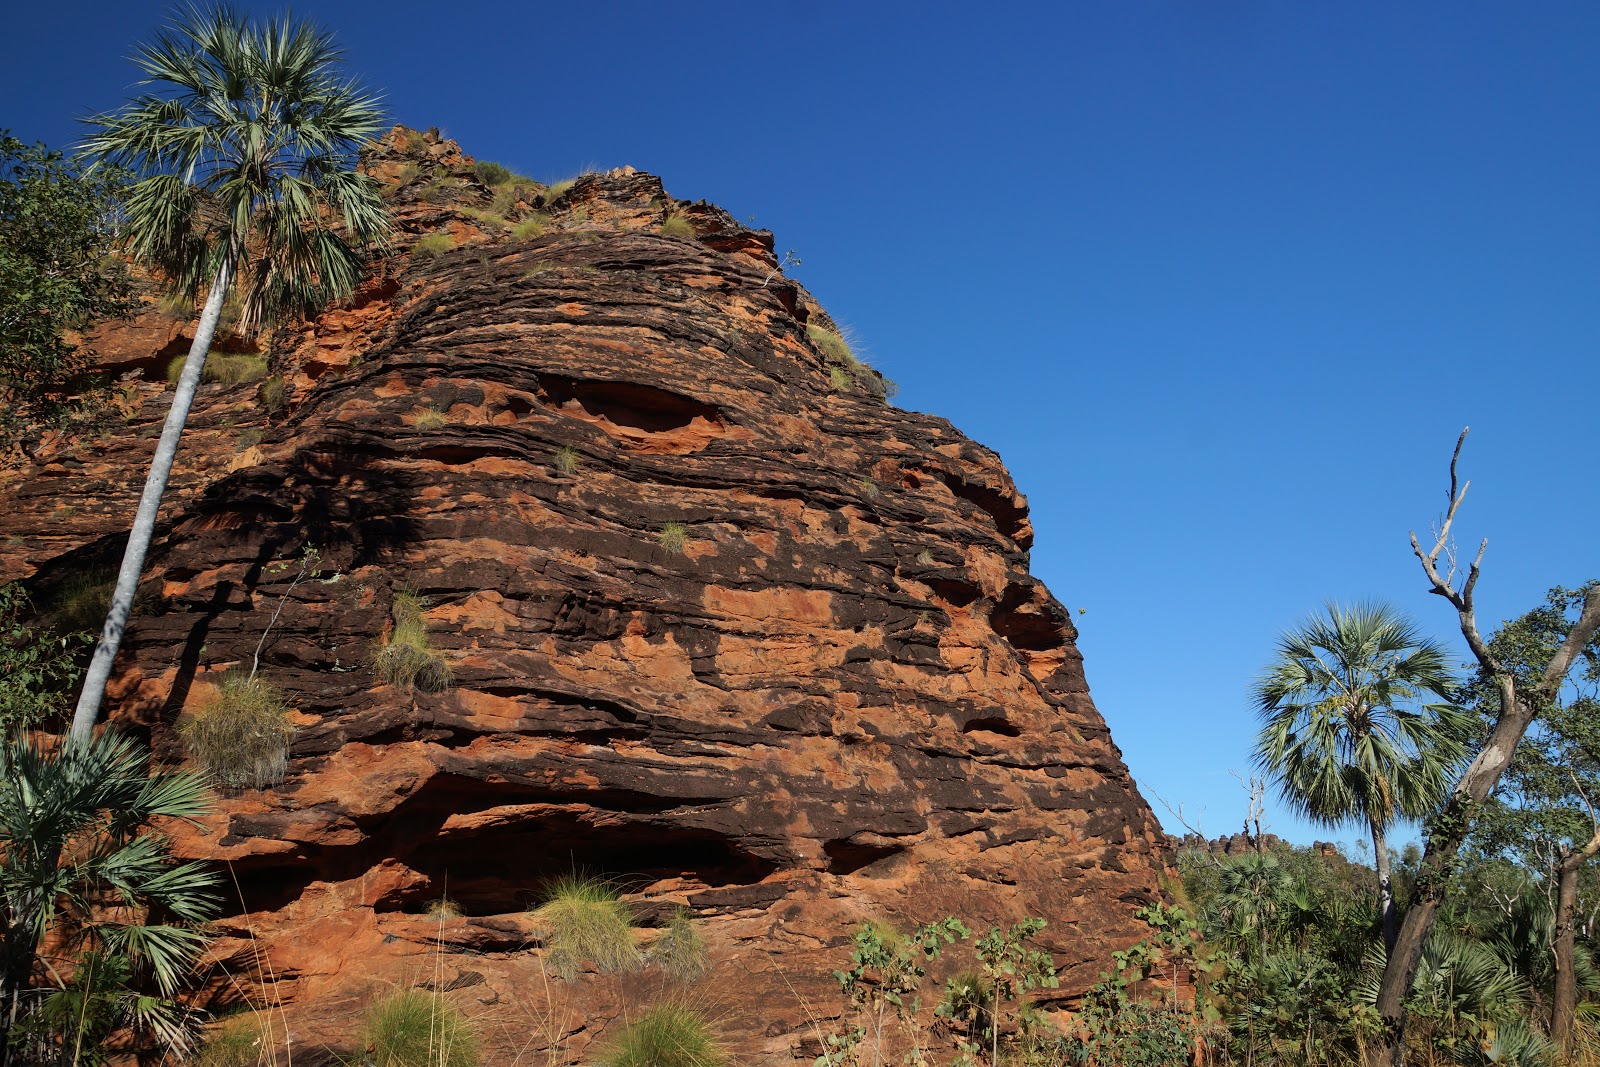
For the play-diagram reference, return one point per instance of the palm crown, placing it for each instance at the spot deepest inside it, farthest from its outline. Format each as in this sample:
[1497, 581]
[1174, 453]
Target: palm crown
[1357, 722]
[247, 137]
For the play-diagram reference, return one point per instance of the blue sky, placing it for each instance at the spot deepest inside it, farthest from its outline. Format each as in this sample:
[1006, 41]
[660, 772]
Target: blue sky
[1221, 281]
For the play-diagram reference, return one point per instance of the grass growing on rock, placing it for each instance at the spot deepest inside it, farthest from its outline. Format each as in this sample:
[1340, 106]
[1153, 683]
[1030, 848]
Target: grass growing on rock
[531, 227]
[407, 659]
[432, 245]
[666, 1035]
[567, 460]
[243, 1040]
[680, 950]
[430, 419]
[674, 537]
[81, 603]
[223, 368]
[587, 919]
[273, 394]
[845, 370]
[678, 226]
[411, 1028]
[241, 735]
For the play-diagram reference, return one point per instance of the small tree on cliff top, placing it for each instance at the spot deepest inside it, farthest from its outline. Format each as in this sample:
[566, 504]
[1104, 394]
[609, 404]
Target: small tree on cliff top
[247, 141]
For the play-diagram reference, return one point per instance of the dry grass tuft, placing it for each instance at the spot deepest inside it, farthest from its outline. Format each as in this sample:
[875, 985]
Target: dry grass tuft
[586, 919]
[241, 736]
[407, 660]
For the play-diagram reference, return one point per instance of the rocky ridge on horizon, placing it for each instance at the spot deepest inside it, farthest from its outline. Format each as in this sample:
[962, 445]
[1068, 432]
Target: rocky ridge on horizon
[721, 622]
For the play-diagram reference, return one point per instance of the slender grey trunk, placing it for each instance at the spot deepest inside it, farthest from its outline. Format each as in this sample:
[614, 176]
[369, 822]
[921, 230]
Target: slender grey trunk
[144, 522]
[1380, 853]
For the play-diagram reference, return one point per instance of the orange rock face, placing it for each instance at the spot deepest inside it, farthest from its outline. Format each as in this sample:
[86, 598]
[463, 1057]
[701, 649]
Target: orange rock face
[722, 625]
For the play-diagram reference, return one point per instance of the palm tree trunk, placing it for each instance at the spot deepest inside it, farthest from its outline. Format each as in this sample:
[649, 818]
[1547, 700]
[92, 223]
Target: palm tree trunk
[1380, 855]
[144, 522]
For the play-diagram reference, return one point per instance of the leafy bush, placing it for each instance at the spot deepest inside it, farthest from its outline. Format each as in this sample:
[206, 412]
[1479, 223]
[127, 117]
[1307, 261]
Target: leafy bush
[242, 734]
[680, 950]
[674, 537]
[37, 670]
[678, 226]
[223, 368]
[491, 173]
[410, 1028]
[407, 660]
[434, 244]
[586, 919]
[667, 1035]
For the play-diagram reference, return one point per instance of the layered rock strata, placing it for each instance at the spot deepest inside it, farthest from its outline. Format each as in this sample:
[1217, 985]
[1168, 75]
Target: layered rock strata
[722, 625]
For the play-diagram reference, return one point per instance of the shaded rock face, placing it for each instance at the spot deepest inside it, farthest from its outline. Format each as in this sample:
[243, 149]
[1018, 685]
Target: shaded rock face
[744, 638]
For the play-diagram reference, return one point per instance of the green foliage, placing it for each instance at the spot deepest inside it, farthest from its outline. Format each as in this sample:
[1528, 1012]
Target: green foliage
[881, 986]
[223, 368]
[411, 1028]
[491, 173]
[432, 245]
[680, 950]
[531, 227]
[241, 735]
[223, 166]
[431, 419]
[273, 394]
[678, 226]
[57, 277]
[407, 659]
[666, 1035]
[674, 537]
[587, 919]
[567, 460]
[75, 829]
[37, 668]
[243, 1040]
[846, 372]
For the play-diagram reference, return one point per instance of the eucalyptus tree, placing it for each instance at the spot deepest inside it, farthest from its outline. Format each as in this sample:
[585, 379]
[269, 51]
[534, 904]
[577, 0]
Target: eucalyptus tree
[1517, 699]
[246, 139]
[1544, 810]
[1358, 727]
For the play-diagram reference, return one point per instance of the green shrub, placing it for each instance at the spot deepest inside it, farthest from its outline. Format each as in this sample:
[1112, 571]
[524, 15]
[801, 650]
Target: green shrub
[567, 460]
[667, 1035]
[530, 227]
[410, 1028]
[678, 226]
[243, 1040]
[223, 367]
[674, 537]
[273, 394]
[586, 919]
[680, 950]
[491, 173]
[430, 419]
[241, 735]
[407, 659]
[434, 244]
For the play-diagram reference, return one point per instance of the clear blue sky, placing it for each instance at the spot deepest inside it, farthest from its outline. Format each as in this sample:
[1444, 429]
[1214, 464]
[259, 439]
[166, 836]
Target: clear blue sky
[1221, 281]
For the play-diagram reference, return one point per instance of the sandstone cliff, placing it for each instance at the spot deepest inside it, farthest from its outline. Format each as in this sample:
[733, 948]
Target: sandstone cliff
[722, 624]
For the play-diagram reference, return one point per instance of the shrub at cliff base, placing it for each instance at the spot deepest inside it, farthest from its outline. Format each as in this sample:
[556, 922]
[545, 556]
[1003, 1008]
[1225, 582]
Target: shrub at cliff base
[410, 1028]
[587, 920]
[668, 1035]
[241, 735]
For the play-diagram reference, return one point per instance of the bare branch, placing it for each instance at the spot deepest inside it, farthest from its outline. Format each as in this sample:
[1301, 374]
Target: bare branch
[1577, 637]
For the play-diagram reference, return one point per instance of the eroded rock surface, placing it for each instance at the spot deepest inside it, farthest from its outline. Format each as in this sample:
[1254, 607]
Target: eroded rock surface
[842, 696]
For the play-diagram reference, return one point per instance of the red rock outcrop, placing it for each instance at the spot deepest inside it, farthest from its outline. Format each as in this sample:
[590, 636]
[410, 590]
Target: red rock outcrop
[722, 625]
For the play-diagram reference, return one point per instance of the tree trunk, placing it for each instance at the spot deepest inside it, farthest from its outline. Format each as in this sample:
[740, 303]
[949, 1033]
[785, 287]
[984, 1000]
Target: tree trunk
[1380, 853]
[1565, 999]
[144, 522]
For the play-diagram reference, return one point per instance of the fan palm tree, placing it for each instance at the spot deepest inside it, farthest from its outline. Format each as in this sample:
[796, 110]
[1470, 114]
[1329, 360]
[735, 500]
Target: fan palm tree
[1358, 726]
[79, 862]
[247, 140]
